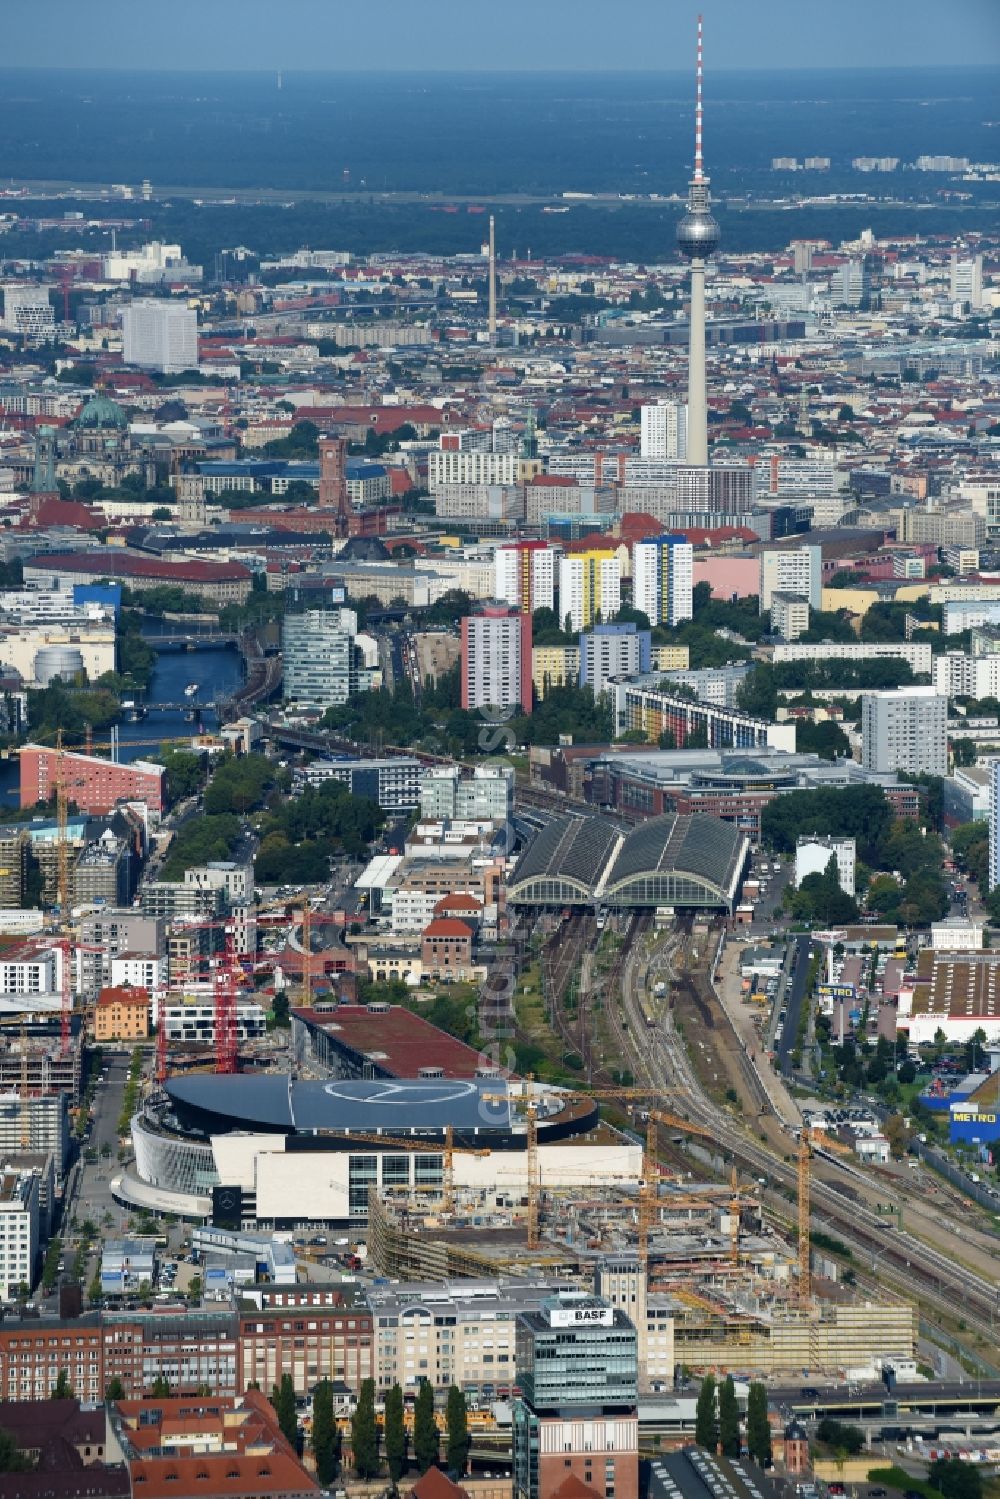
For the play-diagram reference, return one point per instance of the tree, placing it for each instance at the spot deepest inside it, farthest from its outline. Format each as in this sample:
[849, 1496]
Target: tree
[325, 1434]
[12, 1459]
[395, 1434]
[758, 1426]
[115, 1389]
[62, 1389]
[459, 1439]
[283, 1400]
[706, 1425]
[955, 1479]
[426, 1439]
[364, 1432]
[729, 1418]
[160, 1389]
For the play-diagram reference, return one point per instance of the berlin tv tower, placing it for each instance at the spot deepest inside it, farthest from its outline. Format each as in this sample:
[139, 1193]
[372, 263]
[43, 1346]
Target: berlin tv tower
[697, 237]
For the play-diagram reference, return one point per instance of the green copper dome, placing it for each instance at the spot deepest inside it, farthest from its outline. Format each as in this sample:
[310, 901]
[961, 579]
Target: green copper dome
[101, 411]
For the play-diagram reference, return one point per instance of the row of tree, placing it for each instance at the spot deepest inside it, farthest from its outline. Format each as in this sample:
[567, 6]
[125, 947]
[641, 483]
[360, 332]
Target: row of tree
[717, 1420]
[426, 1441]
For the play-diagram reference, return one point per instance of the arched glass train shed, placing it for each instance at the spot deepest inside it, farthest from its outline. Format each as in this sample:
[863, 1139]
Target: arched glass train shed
[691, 861]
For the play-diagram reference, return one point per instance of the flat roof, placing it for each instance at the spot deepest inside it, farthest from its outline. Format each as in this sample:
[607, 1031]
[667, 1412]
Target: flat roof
[343, 1106]
[399, 1041]
[965, 984]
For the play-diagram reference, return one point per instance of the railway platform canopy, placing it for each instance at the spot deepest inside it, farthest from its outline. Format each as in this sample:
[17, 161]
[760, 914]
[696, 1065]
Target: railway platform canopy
[693, 861]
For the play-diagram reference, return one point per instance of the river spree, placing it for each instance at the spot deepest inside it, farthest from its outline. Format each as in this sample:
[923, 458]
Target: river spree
[217, 673]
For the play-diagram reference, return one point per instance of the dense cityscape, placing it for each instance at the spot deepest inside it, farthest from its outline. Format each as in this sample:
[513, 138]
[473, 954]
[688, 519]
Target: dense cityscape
[500, 871]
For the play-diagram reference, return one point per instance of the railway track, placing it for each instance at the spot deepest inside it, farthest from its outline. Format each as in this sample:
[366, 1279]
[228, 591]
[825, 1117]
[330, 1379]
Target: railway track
[916, 1271]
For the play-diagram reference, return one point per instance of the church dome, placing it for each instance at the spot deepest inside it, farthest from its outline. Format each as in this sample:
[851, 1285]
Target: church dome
[101, 411]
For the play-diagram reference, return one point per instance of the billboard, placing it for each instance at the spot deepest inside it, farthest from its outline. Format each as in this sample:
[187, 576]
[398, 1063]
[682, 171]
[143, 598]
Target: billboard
[227, 1207]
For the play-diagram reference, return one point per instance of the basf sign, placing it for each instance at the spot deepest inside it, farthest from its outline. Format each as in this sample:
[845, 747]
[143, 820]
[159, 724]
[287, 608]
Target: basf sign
[582, 1316]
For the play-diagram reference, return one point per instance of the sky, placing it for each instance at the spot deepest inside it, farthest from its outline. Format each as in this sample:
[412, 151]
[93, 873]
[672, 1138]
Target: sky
[647, 35]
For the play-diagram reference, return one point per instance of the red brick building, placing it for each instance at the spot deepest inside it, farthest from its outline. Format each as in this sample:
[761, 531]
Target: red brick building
[446, 947]
[310, 1341]
[95, 785]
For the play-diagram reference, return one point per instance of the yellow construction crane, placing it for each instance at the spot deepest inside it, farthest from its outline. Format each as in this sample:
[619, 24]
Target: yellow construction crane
[647, 1190]
[62, 840]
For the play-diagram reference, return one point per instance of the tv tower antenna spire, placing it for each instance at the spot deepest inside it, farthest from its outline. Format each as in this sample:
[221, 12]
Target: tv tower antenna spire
[697, 238]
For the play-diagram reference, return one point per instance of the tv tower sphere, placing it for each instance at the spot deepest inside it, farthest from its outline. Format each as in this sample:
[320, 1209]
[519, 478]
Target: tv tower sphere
[698, 233]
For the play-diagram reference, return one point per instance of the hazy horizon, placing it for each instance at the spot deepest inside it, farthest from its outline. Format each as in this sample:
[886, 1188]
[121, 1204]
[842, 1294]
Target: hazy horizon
[640, 36]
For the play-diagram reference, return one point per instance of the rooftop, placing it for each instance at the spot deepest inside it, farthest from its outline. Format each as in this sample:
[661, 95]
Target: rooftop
[399, 1040]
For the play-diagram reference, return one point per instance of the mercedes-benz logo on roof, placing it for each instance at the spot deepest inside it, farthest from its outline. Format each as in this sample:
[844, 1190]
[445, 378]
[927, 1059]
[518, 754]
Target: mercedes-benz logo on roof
[385, 1093]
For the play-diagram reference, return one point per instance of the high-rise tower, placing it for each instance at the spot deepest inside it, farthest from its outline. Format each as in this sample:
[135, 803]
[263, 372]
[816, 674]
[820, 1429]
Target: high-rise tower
[697, 238]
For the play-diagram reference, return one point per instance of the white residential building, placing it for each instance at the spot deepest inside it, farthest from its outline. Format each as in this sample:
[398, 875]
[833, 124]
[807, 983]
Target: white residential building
[905, 729]
[918, 657]
[664, 430]
[455, 466]
[160, 335]
[795, 570]
[140, 971]
[813, 854]
[789, 615]
[662, 579]
[19, 1219]
[959, 675]
[994, 870]
[965, 282]
[195, 1021]
[525, 574]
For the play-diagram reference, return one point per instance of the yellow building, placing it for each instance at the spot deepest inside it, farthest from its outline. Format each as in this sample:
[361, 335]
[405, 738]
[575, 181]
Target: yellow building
[670, 657]
[554, 666]
[122, 1015]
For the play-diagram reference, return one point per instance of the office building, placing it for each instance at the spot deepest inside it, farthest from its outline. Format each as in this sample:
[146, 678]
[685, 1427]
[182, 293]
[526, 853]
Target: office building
[486, 794]
[609, 651]
[18, 1231]
[852, 283]
[662, 570]
[793, 570]
[525, 575]
[813, 854]
[496, 660]
[319, 656]
[789, 615]
[577, 1415]
[160, 335]
[906, 729]
[965, 282]
[590, 587]
[621, 1280]
[394, 784]
[664, 431]
[27, 311]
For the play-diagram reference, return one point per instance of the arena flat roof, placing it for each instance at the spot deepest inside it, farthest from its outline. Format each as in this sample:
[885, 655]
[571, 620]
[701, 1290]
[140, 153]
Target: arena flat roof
[694, 860]
[396, 1040]
[341, 1106]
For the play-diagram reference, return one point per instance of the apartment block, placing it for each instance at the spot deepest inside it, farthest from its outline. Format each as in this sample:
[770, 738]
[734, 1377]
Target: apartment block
[662, 571]
[589, 587]
[496, 659]
[906, 729]
[795, 570]
[525, 575]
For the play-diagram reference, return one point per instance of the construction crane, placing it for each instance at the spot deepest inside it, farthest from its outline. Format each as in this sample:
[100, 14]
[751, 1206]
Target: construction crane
[647, 1190]
[807, 1139]
[306, 955]
[25, 1121]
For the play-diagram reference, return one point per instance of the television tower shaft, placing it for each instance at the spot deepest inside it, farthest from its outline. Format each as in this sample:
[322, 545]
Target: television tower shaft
[697, 238]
